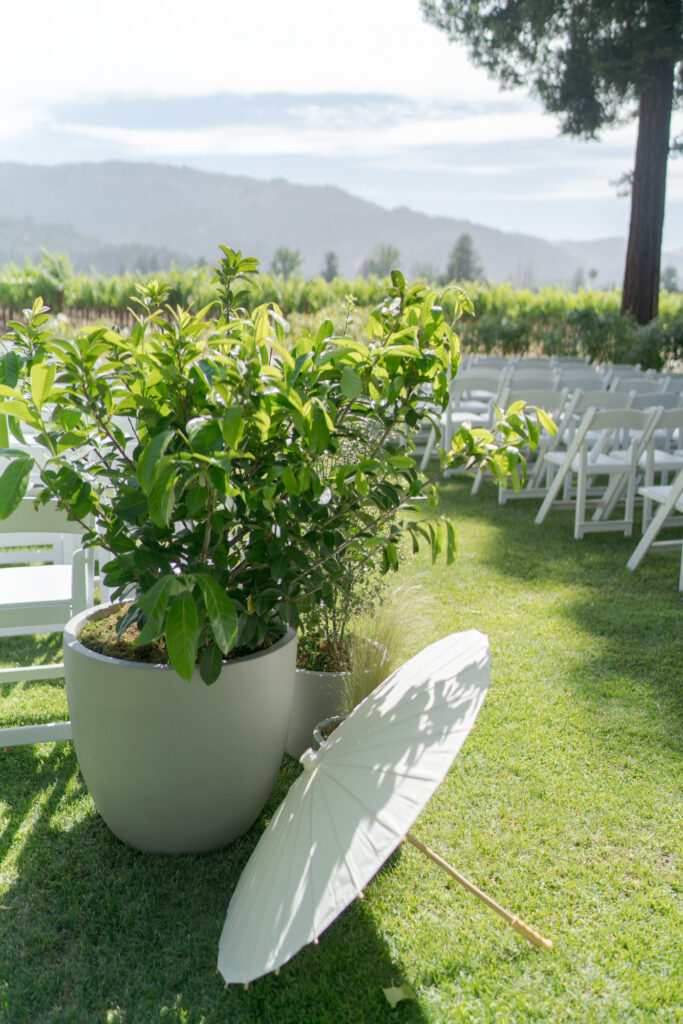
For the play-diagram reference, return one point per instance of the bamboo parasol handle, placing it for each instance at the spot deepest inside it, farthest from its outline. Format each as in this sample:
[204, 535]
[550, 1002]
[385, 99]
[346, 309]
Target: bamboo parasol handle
[515, 923]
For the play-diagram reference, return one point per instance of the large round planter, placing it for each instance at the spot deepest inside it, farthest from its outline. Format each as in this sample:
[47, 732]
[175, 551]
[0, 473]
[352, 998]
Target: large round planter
[317, 695]
[176, 766]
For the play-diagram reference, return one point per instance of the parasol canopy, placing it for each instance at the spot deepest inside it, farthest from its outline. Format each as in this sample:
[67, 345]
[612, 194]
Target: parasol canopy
[353, 804]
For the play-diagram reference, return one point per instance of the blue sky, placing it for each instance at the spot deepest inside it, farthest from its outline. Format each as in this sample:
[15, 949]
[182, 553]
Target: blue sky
[365, 96]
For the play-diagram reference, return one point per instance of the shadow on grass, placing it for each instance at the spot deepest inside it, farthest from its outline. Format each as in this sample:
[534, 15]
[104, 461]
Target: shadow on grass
[93, 931]
[19, 651]
[632, 621]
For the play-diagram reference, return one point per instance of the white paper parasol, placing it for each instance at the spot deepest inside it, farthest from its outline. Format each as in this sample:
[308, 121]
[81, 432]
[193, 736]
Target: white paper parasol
[353, 804]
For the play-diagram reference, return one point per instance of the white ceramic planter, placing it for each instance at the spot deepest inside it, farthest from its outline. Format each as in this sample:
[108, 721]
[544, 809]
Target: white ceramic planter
[176, 766]
[317, 695]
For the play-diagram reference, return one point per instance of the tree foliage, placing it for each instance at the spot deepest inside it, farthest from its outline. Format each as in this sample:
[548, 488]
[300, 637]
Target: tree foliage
[330, 267]
[463, 262]
[593, 63]
[285, 261]
[381, 262]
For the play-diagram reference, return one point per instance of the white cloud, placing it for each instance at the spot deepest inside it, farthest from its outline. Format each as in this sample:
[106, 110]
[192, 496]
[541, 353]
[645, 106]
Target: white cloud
[316, 137]
[20, 122]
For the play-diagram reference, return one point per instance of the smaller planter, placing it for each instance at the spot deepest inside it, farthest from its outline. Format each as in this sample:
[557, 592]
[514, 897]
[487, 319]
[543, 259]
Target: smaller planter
[317, 695]
[176, 766]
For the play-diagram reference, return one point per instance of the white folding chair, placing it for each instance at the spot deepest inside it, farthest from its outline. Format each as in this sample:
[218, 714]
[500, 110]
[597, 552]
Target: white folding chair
[663, 455]
[591, 457]
[42, 598]
[472, 395]
[669, 514]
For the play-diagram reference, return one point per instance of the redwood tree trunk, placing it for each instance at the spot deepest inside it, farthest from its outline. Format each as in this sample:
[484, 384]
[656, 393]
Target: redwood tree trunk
[640, 294]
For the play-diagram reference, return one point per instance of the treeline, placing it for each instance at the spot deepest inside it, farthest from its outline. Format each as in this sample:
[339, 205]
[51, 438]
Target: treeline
[549, 320]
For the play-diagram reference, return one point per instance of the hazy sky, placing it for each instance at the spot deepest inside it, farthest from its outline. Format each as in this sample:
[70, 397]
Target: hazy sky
[363, 95]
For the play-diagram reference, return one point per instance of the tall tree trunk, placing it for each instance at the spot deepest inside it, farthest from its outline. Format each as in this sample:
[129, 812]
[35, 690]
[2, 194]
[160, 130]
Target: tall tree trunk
[640, 293]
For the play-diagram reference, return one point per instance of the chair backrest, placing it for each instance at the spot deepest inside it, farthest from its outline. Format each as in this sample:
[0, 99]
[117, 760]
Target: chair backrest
[41, 598]
[530, 378]
[664, 399]
[41, 519]
[586, 379]
[535, 363]
[571, 361]
[672, 382]
[481, 361]
[579, 402]
[550, 401]
[602, 400]
[668, 435]
[602, 430]
[637, 384]
[483, 382]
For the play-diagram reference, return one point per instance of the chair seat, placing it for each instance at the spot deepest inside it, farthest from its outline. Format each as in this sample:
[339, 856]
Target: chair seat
[36, 598]
[659, 493]
[599, 464]
[34, 584]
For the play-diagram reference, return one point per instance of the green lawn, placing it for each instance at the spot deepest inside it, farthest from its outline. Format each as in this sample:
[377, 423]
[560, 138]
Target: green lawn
[564, 805]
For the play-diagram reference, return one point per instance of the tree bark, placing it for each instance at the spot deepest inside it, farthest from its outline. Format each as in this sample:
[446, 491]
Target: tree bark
[640, 293]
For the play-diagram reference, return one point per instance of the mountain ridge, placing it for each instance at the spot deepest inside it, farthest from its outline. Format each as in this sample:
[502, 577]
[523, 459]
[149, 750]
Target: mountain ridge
[182, 213]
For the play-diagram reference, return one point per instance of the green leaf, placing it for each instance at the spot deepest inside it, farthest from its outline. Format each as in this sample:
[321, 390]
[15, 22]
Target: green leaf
[290, 481]
[398, 280]
[210, 664]
[149, 460]
[351, 384]
[153, 604]
[361, 482]
[320, 434]
[397, 993]
[451, 543]
[10, 365]
[161, 497]
[231, 426]
[42, 379]
[182, 635]
[547, 422]
[392, 554]
[21, 410]
[326, 330]
[221, 611]
[14, 484]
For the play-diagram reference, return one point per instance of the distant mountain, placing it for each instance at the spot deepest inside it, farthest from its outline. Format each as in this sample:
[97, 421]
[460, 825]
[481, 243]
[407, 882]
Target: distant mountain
[109, 215]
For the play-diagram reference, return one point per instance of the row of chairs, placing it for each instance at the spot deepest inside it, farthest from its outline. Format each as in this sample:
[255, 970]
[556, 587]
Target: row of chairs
[613, 447]
[476, 390]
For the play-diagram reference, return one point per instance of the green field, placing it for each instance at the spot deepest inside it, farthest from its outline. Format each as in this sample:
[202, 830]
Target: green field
[564, 805]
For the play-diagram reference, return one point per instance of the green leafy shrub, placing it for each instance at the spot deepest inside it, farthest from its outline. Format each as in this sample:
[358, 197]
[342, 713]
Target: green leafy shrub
[202, 452]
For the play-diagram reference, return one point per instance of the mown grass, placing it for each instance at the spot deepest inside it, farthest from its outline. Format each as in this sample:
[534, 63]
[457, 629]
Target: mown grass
[564, 804]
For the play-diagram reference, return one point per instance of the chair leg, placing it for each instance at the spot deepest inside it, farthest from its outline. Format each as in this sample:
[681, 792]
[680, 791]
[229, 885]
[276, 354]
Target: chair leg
[663, 513]
[581, 495]
[553, 491]
[611, 497]
[431, 440]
